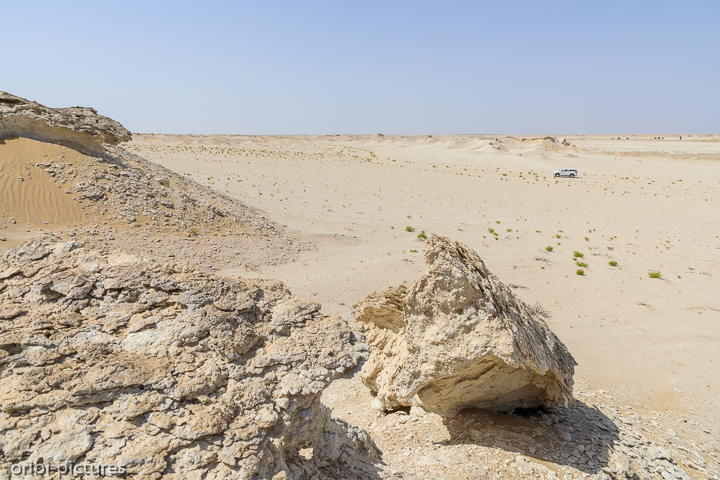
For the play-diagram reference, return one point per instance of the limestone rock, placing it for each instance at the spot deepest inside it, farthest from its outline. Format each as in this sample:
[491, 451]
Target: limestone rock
[77, 127]
[166, 371]
[459, 338]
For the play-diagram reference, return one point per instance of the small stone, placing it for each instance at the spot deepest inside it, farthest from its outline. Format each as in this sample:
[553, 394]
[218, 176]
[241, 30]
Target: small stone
[163, 180]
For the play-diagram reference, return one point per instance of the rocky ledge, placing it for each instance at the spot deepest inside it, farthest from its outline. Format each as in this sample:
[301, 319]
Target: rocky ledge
[76, 127]
[166, 371]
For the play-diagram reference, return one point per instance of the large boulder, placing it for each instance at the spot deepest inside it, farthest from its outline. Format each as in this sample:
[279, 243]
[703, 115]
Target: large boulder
[459, 339]
[166, 371]
[77, 127]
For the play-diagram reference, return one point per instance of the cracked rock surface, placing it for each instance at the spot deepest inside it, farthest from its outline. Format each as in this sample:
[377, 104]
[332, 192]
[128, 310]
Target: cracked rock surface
[168, 371]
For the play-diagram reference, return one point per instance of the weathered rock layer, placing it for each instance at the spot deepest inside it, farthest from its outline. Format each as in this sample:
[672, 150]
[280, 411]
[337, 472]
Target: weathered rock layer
[78, 127]
[166, 371]
[459, 339]
[123, 200]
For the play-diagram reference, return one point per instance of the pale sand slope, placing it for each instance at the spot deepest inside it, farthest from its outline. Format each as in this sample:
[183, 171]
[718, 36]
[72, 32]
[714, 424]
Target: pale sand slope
[647, 204]
[28, 195]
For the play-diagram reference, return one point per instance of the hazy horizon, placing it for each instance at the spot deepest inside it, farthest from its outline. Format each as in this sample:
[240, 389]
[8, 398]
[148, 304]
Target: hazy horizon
[316, 68]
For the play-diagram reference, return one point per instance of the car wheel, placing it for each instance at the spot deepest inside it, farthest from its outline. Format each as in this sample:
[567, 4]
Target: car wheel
[572, 175]
[557, 175]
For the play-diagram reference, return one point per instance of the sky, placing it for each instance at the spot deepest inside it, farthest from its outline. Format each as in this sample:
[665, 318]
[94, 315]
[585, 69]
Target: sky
[393, 67]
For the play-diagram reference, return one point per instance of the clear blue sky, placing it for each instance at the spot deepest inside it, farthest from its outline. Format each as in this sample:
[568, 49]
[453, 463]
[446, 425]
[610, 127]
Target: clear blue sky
[408, 67]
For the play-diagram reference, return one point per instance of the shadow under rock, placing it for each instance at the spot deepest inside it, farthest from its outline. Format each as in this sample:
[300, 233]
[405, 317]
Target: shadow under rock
[578, 436]
[344, 451]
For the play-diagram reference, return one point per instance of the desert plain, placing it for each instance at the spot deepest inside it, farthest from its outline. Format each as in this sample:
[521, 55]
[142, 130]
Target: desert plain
[621, 262]
[648, 203]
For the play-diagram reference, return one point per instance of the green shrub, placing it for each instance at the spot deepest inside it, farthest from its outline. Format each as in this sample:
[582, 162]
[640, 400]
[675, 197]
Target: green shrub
[654, 274]
[580, 271]
[577, 254]
[549, 249]
[409, 229]
[612, 263]
[422, 234]
[581, 264]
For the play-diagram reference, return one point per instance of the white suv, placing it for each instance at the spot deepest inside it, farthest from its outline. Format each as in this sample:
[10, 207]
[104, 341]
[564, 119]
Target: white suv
[566, 172]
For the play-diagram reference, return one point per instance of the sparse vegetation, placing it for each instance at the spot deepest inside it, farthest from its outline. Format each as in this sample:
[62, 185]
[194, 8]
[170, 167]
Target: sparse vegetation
[549, 248]
[577, 254]
[539, 310]
[409, 229]
[193, 232]
[413, 251]
[654, 274]
[422, 234]
[580, 271]
[612, 263]
[581, 264]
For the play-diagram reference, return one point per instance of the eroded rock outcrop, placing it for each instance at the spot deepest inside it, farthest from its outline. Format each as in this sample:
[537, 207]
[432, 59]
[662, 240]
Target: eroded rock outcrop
[124, 201]
[78, 127]
[458, 339]
[167, 371]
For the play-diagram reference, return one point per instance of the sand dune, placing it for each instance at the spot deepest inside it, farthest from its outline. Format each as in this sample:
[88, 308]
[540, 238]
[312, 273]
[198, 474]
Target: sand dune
[27, 193]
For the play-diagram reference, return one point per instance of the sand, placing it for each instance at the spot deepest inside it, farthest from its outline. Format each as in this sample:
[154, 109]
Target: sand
[26, 192]
[649, 205]
[349, 213]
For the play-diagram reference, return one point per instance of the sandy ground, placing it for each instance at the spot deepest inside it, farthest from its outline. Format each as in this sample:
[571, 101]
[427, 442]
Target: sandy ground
[352, 210]
[28, 196]
[647, 204]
